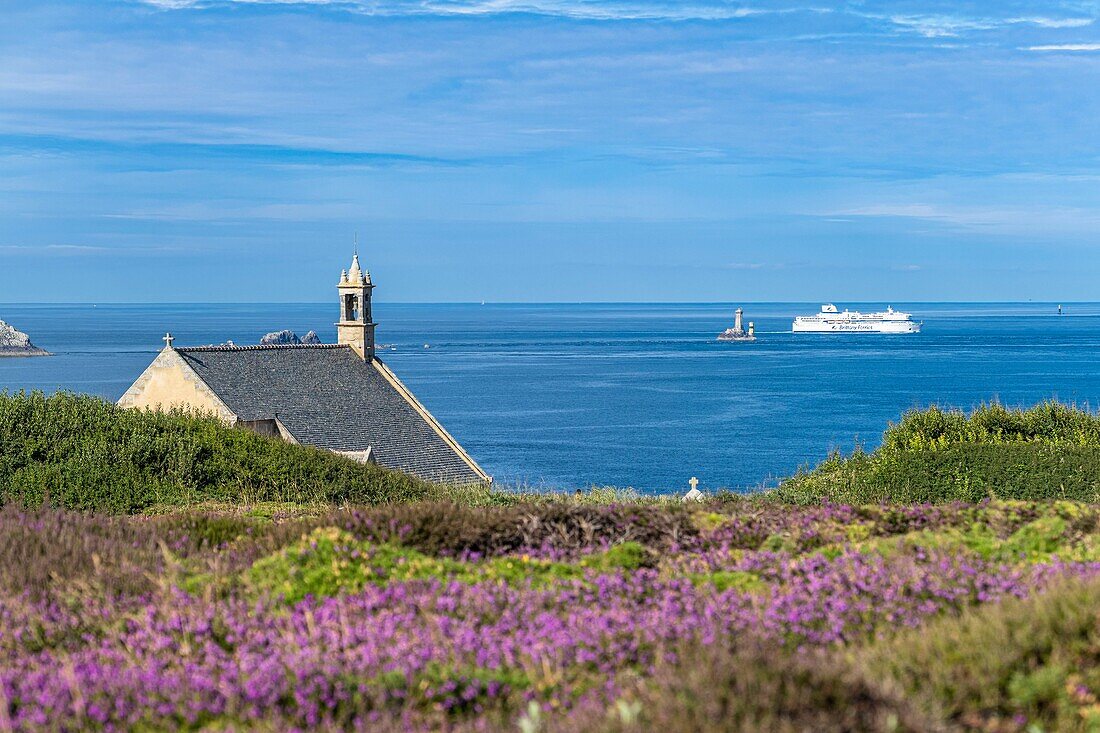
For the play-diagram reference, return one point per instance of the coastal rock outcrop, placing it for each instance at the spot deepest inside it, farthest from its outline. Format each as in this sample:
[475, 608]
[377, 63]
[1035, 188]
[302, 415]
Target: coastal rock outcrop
[278, 338]
[286, 336]
[17, 343]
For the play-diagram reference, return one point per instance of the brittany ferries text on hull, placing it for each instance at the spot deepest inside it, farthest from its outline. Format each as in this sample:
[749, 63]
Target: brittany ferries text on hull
[829, 320]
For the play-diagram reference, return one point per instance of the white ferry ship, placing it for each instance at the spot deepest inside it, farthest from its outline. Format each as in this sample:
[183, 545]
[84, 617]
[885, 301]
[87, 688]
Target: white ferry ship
[830, 320]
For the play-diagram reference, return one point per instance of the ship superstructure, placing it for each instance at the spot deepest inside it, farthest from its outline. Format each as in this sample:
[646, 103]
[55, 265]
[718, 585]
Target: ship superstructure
[831, 320]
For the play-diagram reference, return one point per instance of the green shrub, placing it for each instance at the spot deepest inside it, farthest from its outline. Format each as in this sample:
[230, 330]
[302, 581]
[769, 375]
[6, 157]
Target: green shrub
[1050, 422]
[724, 580]
[1047, 452]
[625, 556]
[329, 561]
[80, 452]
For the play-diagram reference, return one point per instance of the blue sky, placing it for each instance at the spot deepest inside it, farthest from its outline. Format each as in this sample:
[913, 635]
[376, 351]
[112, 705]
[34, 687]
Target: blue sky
[550, 150]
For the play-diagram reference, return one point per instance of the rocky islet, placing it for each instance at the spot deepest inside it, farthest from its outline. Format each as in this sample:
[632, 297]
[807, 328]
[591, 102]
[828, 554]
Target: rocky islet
[16, 343]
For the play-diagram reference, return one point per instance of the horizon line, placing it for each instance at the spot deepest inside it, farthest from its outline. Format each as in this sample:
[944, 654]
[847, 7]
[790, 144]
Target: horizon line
[547, 302]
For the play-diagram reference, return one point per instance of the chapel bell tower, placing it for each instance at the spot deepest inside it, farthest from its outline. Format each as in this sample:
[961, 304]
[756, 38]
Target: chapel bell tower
[356, 327]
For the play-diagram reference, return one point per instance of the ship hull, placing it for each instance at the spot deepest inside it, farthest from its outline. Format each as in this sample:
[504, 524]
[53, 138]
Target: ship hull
[839, 326]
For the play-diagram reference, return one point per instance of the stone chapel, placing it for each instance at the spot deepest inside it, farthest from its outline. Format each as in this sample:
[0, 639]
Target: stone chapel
[340, 396]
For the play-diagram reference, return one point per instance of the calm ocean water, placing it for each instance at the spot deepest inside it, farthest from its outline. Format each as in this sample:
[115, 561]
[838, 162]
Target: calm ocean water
[561, 396]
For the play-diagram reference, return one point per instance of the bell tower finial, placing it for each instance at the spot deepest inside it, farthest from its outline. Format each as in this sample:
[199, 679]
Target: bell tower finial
[355, 273]
[356, 325]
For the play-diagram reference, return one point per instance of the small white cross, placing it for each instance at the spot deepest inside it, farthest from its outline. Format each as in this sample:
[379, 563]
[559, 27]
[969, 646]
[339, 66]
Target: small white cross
[168, 339]
[694, 494]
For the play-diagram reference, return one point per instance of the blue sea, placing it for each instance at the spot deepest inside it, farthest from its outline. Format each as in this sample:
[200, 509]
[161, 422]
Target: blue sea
[631, 395]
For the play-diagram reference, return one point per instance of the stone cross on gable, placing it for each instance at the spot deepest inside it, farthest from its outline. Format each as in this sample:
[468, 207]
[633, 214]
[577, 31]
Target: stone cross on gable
[168, 339]
[694, 483]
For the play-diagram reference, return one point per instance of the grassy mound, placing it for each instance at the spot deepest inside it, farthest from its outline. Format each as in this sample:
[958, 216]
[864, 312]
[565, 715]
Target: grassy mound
[1050, 451]
[80, 452]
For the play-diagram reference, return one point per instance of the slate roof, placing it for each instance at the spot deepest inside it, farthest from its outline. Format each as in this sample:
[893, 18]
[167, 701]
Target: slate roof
[327, 396]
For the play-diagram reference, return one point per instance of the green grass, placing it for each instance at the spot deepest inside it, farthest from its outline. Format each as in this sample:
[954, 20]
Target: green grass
[1050, 451]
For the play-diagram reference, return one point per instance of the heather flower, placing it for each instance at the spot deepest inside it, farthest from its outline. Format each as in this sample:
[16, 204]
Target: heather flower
[337, 626]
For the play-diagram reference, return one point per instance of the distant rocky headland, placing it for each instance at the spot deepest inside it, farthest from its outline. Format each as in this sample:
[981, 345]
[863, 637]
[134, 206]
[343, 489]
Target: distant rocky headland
[289, 337]
[285, 337]
[17, 343]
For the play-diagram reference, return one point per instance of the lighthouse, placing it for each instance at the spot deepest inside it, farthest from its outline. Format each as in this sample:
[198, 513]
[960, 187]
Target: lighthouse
[738, 333]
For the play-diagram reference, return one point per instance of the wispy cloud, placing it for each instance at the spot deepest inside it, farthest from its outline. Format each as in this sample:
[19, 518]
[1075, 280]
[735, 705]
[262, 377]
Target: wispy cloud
[1054, 22]
[229, 212]
[946, 26]
[937, 26]
[275, 155]
[1066, 47]
[928, 25]
[1043, 219]
[78, 250]
[578, 9]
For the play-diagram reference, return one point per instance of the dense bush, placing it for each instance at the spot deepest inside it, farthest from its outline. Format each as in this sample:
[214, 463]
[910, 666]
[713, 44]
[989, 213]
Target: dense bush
[1050, 451]
[1050, 423]
[80, 452]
